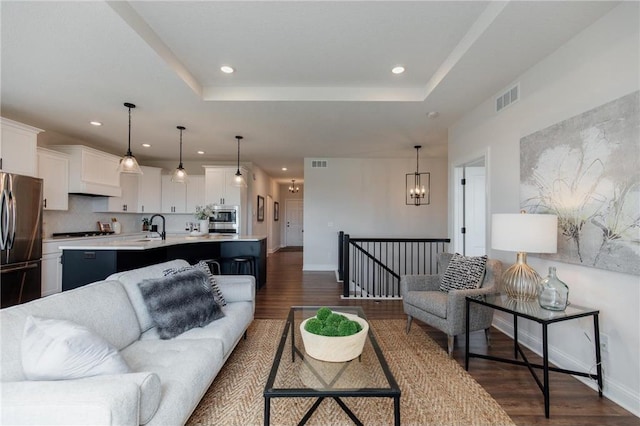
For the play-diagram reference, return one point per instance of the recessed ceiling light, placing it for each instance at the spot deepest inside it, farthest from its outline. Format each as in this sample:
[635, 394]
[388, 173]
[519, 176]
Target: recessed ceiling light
[433, 114]
[200, 152]
[398, 70]
[226, 69]
[95, 123]
[284, 169]
[146, 145]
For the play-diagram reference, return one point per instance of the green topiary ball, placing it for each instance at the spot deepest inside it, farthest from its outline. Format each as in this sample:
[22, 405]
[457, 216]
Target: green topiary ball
[314, 326]
[330, 330]
[347, 328]
[323, 313]
[334, 319]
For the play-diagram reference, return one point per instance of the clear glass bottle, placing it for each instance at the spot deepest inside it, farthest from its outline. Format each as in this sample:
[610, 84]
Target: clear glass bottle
[554, 294]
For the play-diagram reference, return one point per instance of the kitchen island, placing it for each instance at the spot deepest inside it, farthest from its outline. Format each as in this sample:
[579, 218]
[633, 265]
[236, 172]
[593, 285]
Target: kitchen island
[84, 262]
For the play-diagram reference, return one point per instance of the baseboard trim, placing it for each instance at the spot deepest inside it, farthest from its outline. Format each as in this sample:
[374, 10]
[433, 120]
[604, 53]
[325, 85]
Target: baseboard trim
[318, 267]
[620, 394]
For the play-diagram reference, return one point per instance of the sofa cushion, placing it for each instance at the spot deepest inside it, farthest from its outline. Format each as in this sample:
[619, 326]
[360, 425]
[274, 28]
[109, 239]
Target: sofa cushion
[186, 369]
[103, 307]
[180, 302]
[130, 280]
[61, 350]
[463, 272]
[228, 330]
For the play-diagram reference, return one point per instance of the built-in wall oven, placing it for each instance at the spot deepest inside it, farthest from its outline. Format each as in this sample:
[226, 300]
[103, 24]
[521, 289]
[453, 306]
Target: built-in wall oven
[225, 220]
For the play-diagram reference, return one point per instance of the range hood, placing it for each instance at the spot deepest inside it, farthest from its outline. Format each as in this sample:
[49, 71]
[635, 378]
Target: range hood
[91, 172]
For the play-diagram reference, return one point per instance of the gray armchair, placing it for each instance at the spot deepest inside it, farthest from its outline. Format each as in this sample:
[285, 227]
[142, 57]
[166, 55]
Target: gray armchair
[445, 311]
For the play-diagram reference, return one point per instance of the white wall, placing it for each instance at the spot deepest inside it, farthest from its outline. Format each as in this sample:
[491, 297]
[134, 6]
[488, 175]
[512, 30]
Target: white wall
[365, 198]
[597, 66]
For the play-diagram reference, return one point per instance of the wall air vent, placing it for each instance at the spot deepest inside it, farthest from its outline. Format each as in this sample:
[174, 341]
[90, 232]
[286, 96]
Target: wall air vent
[507, 98]
[319, 164]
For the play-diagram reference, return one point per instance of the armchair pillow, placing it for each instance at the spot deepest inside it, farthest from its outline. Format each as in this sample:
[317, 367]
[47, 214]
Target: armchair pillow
[55, 349]
[180, 302]
[463, 272]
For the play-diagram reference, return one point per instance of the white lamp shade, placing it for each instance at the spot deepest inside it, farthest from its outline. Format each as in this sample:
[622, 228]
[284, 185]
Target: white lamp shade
[529, 233]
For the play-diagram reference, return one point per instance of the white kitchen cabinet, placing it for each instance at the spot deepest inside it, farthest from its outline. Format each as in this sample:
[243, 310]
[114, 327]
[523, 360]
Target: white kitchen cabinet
[18, 144]
[91, 171]
[149, 190]
[125, 203]
[53, 169]
[219, 188]
[174, 196]
[51, 269]
[195, 193]
[140, 194]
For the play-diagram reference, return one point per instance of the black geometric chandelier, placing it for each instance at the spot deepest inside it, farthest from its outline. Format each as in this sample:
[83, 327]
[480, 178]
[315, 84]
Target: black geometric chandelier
[417, 185]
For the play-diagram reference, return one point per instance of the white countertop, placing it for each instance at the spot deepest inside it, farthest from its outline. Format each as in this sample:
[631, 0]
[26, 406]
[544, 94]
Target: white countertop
[142, 243]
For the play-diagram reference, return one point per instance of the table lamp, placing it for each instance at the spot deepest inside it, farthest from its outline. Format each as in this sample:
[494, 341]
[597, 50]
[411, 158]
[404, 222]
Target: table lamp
[523, 233]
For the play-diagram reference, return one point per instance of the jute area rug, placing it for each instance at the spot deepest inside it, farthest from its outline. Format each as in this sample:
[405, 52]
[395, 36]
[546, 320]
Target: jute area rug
[435, 389]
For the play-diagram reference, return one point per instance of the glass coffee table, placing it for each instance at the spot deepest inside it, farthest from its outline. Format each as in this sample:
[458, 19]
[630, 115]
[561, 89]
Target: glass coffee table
[295, 374]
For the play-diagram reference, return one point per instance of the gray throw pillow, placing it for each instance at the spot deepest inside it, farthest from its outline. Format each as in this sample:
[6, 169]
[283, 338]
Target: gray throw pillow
[180, 302]
[204, 267]
[463, 272]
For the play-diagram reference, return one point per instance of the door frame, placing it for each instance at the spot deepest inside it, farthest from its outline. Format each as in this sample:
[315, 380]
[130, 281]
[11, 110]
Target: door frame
[457, 200]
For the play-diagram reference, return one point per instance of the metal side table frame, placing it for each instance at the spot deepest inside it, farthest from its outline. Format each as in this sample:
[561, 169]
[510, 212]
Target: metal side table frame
[532, 311]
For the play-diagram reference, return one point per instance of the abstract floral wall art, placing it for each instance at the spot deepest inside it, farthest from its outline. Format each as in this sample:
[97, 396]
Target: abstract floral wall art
[586, 170]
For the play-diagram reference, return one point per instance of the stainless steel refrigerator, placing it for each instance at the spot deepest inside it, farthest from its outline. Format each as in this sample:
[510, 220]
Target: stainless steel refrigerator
[20, 238]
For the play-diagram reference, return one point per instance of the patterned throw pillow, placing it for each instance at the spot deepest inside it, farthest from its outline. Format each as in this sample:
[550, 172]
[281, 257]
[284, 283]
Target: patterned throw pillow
[204, 267]
[463, 272]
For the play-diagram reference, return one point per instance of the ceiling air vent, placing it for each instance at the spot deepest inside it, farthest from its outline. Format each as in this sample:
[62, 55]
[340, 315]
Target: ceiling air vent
[507, 98]
[318, 164]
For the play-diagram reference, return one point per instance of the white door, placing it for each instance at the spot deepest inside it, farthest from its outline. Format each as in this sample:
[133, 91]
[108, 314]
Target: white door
[475, 211]
[294, 224]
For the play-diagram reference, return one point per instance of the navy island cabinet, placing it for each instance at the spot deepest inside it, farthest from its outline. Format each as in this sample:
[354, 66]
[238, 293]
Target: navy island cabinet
[82, 266]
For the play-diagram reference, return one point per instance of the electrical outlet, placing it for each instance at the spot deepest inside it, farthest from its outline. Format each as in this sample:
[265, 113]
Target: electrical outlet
[604, 343]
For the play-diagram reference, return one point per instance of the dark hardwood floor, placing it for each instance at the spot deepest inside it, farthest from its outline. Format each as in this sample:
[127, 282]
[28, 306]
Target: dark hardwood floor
[572, 402]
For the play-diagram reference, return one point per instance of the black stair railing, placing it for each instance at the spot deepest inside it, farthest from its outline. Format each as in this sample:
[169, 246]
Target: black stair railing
[372, 267]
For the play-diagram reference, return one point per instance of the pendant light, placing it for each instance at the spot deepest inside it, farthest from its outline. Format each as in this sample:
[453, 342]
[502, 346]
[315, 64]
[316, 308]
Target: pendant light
[128, 163]
[417, 184]
[239, 179]
[180, 174]
[293, 188]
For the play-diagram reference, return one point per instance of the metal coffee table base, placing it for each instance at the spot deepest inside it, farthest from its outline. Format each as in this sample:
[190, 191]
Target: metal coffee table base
[327, 389]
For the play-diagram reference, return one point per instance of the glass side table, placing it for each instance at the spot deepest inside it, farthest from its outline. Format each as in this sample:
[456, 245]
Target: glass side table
[532, 311]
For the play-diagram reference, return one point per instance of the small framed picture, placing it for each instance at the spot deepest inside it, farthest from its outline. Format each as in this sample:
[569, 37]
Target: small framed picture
[104, 226]
[260, 209]
[276, 211]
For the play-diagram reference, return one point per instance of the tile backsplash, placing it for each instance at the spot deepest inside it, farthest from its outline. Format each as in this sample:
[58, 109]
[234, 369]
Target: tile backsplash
[81, 217]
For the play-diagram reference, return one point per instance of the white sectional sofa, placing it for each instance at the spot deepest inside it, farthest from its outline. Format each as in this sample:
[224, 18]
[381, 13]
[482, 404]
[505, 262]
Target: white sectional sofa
[169, 377]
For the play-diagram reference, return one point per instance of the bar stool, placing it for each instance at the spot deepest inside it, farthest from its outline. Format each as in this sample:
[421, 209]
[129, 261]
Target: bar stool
[214, 266]
[243, 264]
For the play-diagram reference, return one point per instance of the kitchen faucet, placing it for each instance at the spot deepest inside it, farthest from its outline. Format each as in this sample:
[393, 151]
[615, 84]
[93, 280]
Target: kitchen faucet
[163, 234]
